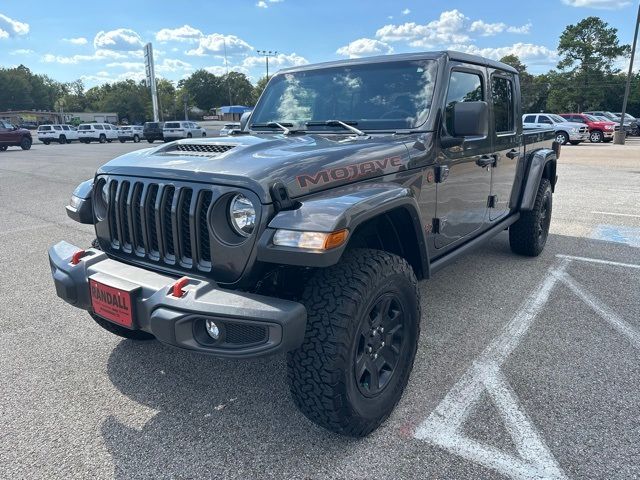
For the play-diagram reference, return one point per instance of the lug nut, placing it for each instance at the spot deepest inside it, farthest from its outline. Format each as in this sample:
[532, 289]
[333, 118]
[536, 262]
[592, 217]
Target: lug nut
[382, 344]
[375, 355]
[381, 329]
[369, 349]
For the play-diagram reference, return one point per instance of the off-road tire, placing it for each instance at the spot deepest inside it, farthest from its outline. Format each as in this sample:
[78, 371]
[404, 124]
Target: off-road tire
[121, 331]
[25, 144]
[46, 142]
[338, 299]
[529, 234]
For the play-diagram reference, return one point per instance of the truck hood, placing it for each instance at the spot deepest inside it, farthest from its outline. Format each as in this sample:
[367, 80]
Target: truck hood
[570, 125]
[303, 163]
[601, 124]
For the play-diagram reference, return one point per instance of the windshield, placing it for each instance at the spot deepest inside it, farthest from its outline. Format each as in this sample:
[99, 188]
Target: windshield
[591, 118]
[379, 96]
[557, 118]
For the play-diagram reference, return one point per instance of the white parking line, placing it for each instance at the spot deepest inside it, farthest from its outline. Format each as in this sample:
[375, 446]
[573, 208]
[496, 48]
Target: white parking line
[617, 214]
[444, 427]
[597, 260]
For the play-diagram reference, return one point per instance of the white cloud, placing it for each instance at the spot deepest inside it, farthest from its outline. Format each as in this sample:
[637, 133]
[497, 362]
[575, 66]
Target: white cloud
[127, 65]
[261, 4]
[122, 39]
[406, 11]
[76, 41]
[173, 65]
[21, 51]
[449, 28]
[601, 4]
[364, 47]
[75, 59]
[12, 28]
[527, 52]
[215, 44]
[186, 33]
[280, 60]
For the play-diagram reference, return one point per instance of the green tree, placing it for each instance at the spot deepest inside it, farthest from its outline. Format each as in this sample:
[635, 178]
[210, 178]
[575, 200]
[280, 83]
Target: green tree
[259, 88]
[204, 89]
[238, 88]
[587, 53]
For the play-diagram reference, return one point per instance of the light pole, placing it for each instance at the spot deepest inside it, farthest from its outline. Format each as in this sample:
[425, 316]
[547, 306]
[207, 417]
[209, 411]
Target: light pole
[619, 136]
[266, 54]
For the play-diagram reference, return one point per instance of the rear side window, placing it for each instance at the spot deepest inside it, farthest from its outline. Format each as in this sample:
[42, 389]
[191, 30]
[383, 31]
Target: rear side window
[84, 127]
[543, 119]
[64, 127]
[57, 127]
[530, 119]
[44, 128]
[98, 127]
[503, 107]
[463, 87]
[172, 125]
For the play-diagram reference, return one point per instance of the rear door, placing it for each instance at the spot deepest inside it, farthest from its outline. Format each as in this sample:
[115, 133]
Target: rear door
[4, 132]
[461, 202]
[506, 137]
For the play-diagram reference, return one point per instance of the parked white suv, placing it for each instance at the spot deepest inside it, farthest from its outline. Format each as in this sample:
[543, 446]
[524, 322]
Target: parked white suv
[182, 129]
[130, 132]
[228, 128]
[57, 133]
[102, 132]
[566, 132]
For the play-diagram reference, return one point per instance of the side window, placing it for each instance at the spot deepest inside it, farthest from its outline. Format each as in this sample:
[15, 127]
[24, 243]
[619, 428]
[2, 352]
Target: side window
[463, 87]
[544, 119]
[64, 127]
[530, 119]
[98, 127]
[503, 107]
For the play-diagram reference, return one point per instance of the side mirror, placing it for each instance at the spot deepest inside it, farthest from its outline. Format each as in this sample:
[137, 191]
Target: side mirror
[470, 119]
[244, 119]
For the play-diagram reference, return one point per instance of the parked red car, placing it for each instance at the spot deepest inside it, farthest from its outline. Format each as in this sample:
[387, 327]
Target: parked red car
[10, 135]
[599, 131]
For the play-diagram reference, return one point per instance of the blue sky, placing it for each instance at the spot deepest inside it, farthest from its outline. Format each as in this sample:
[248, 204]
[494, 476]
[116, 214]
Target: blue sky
[102, 41]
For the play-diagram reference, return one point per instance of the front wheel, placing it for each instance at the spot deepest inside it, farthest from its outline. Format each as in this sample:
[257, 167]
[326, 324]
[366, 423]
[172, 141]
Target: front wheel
[62, 140]
[46, 142]
[3, 148]
[150, 140]
[136, 139]
[25, 143]
[189, 135]
[122, 140]
[102, 139]
[562, 138]
[121, 331]
[596, 136]
[529, 234]
[363, 324]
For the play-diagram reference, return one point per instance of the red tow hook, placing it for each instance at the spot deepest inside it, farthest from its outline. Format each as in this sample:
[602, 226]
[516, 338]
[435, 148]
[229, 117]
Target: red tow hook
[178, 287]
[75, 258]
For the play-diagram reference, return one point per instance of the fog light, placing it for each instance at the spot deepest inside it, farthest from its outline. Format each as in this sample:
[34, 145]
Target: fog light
[212, 329]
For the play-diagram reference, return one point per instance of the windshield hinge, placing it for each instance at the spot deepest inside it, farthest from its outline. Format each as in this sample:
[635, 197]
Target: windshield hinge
[281, 199]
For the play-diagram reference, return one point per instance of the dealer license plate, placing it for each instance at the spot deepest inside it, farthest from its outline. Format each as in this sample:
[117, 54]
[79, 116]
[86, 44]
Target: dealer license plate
[111, 303]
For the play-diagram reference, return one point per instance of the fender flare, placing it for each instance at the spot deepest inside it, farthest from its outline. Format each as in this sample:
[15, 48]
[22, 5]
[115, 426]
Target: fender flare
[541, 160]
[80, 208]
[347, 207]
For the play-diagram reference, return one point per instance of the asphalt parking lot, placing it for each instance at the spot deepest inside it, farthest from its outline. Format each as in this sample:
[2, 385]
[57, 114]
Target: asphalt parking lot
[526, 368]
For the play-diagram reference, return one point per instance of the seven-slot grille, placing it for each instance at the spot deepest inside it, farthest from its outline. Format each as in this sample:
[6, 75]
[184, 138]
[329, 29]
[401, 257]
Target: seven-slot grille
[162, 222]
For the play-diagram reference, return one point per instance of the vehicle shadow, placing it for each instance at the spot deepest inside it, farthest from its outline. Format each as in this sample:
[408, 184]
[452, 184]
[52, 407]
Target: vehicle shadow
[215, 418]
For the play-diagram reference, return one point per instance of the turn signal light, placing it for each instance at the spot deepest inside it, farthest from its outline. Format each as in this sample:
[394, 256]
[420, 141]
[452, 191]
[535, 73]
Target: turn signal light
[310, 240]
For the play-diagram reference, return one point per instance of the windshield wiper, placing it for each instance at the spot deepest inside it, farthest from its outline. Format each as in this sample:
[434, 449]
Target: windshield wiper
[281, 126]
[332, 123]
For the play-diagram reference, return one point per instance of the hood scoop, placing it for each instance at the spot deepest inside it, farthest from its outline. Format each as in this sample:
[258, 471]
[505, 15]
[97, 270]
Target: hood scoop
[199, 149]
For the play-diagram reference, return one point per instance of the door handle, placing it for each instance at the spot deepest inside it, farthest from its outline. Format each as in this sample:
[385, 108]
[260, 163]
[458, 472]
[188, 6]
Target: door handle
[513, 153]
[486, 161]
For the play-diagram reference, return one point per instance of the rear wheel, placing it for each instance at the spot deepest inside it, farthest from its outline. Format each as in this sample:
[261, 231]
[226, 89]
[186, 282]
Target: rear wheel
[204, 134]
[529, 234]
[189, 135]
[150, 140]
[121, 331]
[363, 324]
[562, 138]
[102, 139]
[136, 139]
[3, 148]
[46, 142]
[25, 143]
[596, 136]
[122, 140]
[62, 140]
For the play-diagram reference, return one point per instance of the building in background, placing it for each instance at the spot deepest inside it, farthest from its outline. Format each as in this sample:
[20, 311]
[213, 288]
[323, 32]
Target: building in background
[230, 113]
[90, 117]
[30, 118]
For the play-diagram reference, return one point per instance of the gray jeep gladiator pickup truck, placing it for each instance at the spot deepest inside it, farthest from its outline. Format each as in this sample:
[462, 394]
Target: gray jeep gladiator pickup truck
[307, 229]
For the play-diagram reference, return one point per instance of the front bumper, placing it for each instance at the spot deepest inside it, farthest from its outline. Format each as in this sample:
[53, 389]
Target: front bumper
[579, 136]
[270, 325]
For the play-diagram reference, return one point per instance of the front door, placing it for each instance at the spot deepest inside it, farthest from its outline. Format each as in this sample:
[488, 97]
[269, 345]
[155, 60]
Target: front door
[506, 142]
[4, 133]
[461, 197]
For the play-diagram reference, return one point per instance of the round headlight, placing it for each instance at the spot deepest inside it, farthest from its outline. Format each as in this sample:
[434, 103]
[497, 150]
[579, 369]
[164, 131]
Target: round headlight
[242, 215]
[101, 199]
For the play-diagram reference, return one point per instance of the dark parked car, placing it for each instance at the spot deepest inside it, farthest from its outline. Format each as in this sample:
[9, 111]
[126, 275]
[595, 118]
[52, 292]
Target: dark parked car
[14, 136]
[152, 131]
[307, 231]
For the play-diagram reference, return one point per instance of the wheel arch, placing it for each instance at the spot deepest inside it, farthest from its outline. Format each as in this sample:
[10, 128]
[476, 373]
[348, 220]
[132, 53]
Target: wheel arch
[542, 164]
[385, 217]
